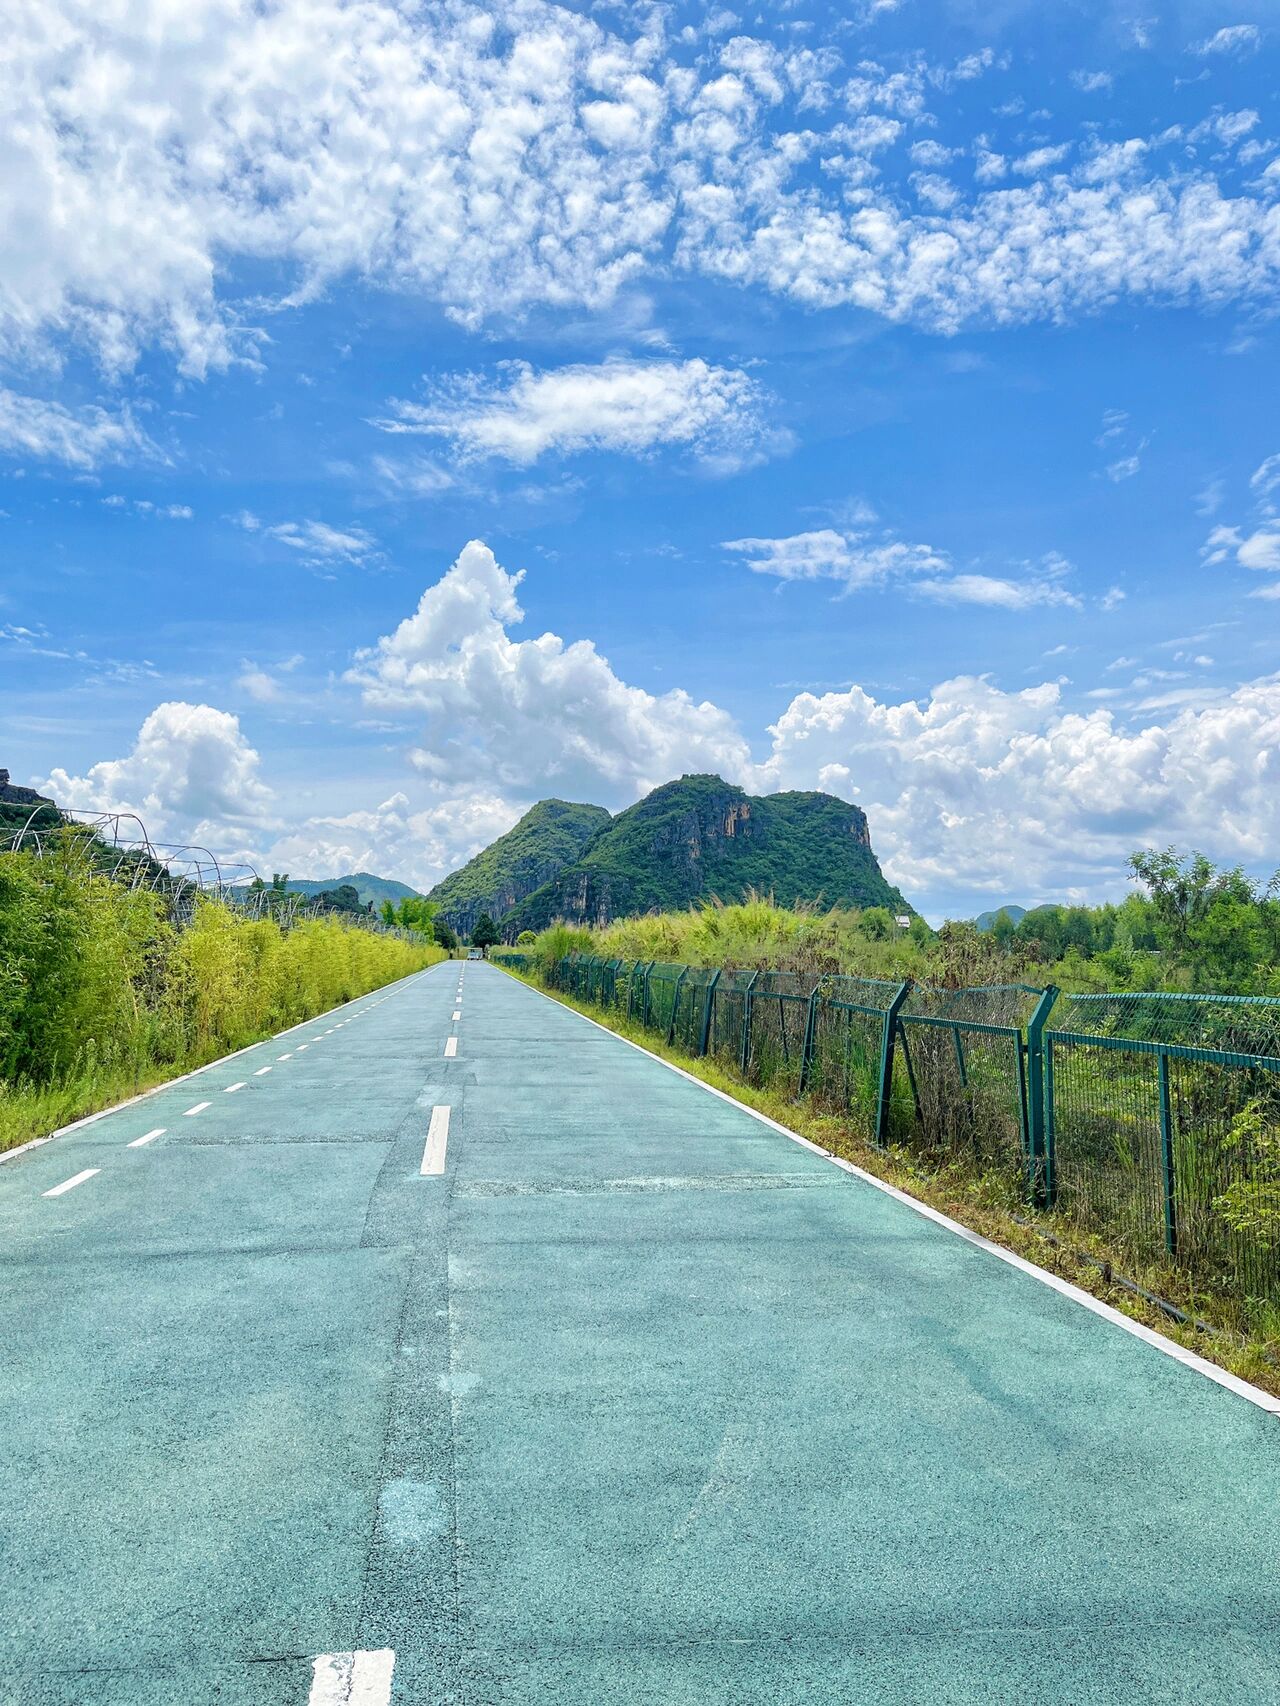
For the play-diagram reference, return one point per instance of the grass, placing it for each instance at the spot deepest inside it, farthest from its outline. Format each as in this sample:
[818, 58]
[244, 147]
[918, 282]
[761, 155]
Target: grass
[985, 1203]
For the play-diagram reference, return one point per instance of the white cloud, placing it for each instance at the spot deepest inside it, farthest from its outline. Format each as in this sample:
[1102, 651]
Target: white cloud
[970, 789]
[998, 593]
[975, 790]
[536, 715]
[858, 558]
[1233, 39]
[317, 543]
[1040, 159]
[82, 438]
[853, 559]
[1124, 469]
[192, 776]
[622, 405]
[549, 162]
[1092, 82]
[393, 839]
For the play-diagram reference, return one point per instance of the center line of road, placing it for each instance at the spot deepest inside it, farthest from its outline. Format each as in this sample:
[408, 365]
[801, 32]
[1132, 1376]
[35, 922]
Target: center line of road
[71, 1183]
[352, 1679]
[288, 1056]
[261, 1070]
[437, 1138]
[456, 1016]
[300, 1047]
[451, 1047]
[147, 1137]
[231, 1087]
[198, 1109]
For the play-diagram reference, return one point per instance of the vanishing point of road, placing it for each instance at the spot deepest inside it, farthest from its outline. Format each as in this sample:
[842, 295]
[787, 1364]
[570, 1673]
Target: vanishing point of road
[448, 1349]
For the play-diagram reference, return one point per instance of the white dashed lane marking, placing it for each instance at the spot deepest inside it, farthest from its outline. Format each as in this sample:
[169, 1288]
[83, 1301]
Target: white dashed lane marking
[451, 1048]
[261, 1070]
[437, 1139]
[352, 1679]
[71, 1183]
[288, 1056]
[147, 1137]
[231, 1088]
[198, 1109]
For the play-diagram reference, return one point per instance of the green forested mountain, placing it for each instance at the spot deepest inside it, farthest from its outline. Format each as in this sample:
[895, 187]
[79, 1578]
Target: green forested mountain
[702, 837]
[368, 887]
[986, 920]
[548, 837]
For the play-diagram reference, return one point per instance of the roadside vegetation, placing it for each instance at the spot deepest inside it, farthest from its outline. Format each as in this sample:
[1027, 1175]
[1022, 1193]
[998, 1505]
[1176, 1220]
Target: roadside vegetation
[102, 996]
[1191, 927]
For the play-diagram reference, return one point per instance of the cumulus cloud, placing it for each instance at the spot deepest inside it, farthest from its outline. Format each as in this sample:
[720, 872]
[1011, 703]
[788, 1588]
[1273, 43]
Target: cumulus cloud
[82, 438]
[623, 405]
[417, 846]
[547, 162]
[192, 775]
[538, 714]
[975, 790]
[970, 789]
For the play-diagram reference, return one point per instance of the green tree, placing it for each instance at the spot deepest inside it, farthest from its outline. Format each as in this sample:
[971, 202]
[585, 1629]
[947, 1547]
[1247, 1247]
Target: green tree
[525, 939]
[485, 935]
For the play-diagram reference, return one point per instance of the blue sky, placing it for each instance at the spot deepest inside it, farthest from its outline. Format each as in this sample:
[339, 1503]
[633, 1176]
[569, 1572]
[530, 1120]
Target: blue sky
[406, 415]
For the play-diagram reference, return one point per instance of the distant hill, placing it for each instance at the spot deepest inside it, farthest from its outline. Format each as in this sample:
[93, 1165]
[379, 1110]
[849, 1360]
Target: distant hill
[1015, 915]
[702, 837]
[548, 837]
[369, 888]
[22, 806]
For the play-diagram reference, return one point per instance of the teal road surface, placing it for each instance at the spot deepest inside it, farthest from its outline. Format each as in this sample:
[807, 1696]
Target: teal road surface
[451, 1350]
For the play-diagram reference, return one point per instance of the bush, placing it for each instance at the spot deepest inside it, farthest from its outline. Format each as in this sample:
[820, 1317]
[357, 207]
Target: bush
[100, 994]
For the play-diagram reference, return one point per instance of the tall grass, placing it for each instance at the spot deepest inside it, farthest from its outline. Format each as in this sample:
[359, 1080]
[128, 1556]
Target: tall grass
[101, 996]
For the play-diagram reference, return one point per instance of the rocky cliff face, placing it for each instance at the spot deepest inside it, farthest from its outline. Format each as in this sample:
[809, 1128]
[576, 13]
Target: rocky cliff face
[17, 806]
[701, 837]
[550, 836]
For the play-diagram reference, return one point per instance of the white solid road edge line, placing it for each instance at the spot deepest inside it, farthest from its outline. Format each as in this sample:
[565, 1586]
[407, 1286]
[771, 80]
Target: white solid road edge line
[182, 1077]
[71, 1183]
[352, 1679]
[1169, 1347]
[437, 1141]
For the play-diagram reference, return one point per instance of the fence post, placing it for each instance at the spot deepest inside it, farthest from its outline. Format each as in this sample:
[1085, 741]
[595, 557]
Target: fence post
[1166, 1152]
[707, 1001]
[675, 1004]
[807, 1046]
[1039, 1087]
[887, 1040]
[746, 1021]
[644, 1010]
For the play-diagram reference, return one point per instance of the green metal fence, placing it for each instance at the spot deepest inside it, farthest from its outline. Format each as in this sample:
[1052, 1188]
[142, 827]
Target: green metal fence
[1153, 1120]
[1163, 1130]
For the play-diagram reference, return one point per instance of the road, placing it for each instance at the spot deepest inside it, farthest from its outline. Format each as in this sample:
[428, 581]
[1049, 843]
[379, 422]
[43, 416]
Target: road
[607, 1393]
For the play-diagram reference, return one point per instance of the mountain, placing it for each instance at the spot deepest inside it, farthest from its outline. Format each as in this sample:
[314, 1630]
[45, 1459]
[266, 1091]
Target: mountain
[369, 888]
[1015, 915]
[702, 837]
[20, 807]
[548, 837]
